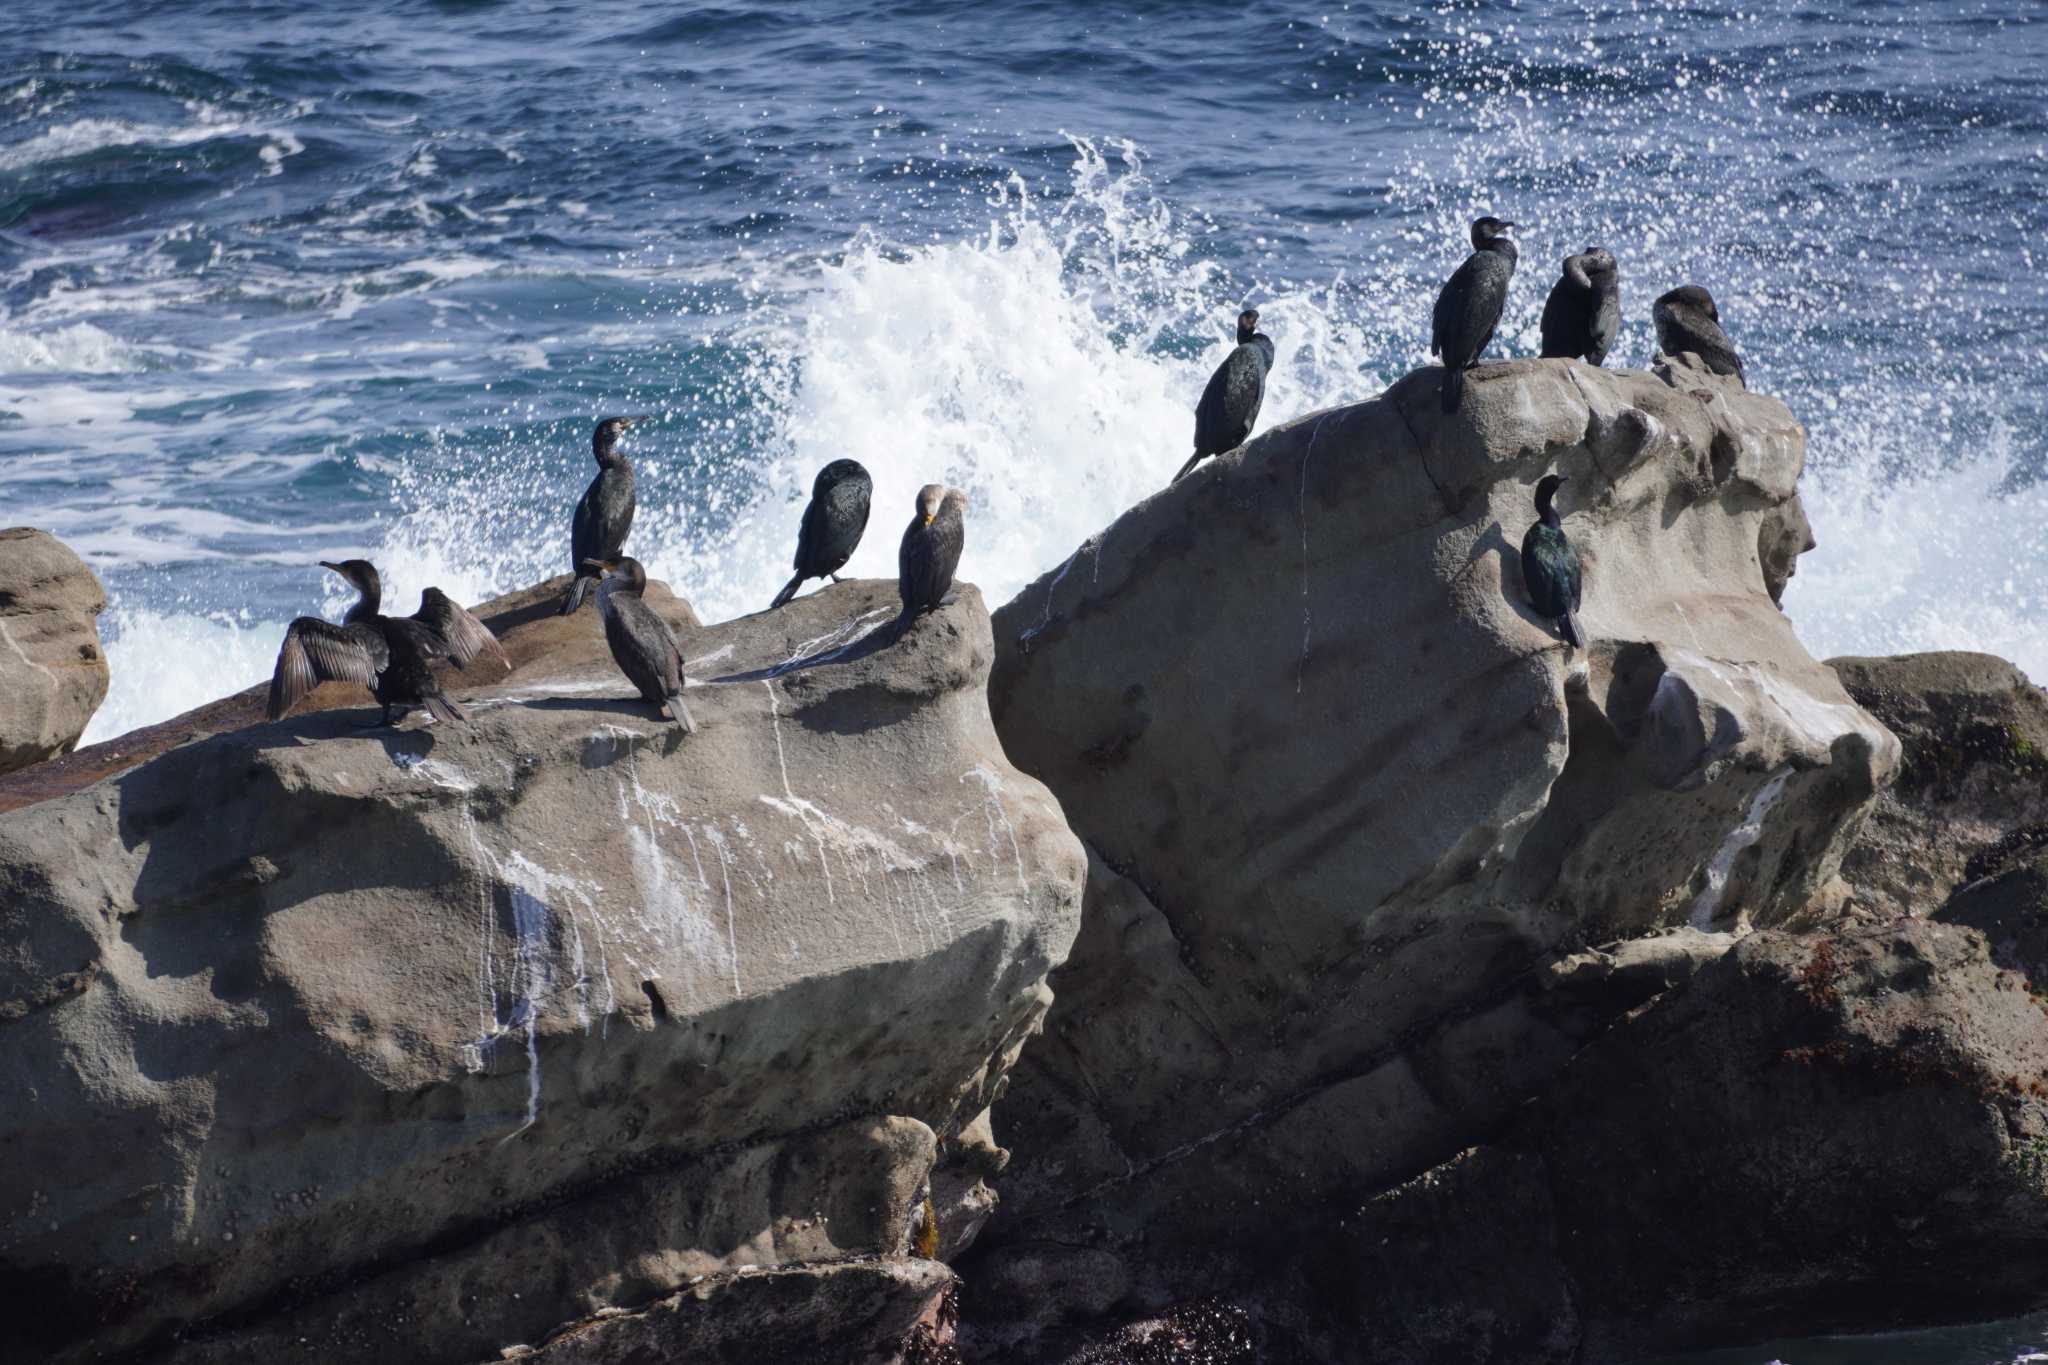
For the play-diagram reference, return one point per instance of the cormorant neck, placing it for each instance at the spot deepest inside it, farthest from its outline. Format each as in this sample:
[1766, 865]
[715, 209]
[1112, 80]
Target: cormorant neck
[1504, 245]
[366, 605]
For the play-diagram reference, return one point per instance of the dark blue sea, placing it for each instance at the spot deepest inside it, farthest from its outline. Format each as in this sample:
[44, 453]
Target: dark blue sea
[284, 282]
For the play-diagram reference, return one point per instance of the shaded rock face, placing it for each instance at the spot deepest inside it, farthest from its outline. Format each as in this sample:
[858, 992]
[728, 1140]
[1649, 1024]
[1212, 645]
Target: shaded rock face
[52, 673]
[1835, 1131]
[422, 1044]
[1353, 811]
[1973, 786]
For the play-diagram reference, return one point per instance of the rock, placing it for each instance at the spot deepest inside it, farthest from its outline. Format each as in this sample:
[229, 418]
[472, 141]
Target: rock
[53, 675]
[423, 1044]
[1973, 784]
[854, 1312]
[1355, 816]
[1818, 1132]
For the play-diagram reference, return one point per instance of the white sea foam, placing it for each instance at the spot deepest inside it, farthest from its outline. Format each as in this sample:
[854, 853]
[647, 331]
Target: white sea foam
[80, 348]
[163, 664]
[1949, 557]
[1020, 365]
[85, 135]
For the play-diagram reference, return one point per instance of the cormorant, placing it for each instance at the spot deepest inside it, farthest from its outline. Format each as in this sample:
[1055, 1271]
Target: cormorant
[1688, 321]
[931, 550]
[642, 644]
[1583, 313]
[390, 655]
[1229, 406]
[1468, 307]
[605, 514]
[832, 526]
[1550, 566]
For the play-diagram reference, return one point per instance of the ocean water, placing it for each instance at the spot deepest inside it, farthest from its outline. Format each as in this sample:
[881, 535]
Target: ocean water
[284, 282]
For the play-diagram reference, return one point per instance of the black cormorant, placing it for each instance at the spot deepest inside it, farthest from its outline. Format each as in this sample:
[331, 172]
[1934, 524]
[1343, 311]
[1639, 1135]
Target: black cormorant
[1229, 406]
[1583, 313]
[1688, 321]
[832, 525]
[642, 643]
[1550, 566]
[1468, 307]
[390, 655]
[605, 514]
[931, 550]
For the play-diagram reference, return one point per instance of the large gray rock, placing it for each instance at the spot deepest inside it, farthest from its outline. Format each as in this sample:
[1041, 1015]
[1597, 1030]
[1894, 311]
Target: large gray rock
[52, 673]
[419, 1045]
[1354, 811]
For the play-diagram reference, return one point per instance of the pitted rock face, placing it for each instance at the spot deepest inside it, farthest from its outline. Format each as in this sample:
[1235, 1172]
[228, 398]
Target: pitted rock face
[53, 675]
[1299, 707]
[554, 1012]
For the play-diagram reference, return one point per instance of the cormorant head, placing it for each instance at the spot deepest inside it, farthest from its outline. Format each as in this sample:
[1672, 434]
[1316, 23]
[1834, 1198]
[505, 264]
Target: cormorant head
[1546, 489]
[836, 473]
[361, 574]
[1690, 296]
[929, 499]
[1247, 325]
[1598, 260]
[1486, 231]
[625, 572]
[608, 433]
[632, 578]
[956, 503]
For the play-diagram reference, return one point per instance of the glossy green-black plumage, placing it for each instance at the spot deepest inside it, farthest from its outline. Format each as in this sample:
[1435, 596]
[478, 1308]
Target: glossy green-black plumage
[832, 526]
[604, 515]
[1230, 405]
[1550, 567]
[1469, 306]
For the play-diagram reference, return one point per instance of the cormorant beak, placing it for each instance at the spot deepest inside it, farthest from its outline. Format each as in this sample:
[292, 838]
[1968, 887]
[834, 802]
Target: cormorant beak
[328, 564]
[927, 520]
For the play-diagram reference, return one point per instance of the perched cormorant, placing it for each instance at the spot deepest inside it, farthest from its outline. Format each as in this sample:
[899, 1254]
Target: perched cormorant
[642, 644]
[1550, 566]
[390, 655]
[1229, 406]
[1468, 307]
[1583, 313]
[832, 526]
[931, 550]
[1688, 321]
[605, 514]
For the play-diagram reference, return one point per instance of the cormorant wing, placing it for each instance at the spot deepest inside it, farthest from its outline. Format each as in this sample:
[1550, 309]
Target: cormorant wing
[808, 536]
[315, 651]
[465, 636]
[1212, 418]
[583, 528]
[1450, 306]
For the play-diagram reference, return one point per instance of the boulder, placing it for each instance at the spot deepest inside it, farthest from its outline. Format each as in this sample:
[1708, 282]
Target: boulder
[53, 675]
[1357, 818]
[428, 1043]
[1818, 1132]
[1973, 785]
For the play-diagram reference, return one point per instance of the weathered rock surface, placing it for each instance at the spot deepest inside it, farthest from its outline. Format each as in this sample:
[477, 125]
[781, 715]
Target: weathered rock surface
[1830, 1131]
[1356, 819]
[372, 1046]
[52, 673]
[1973, 784]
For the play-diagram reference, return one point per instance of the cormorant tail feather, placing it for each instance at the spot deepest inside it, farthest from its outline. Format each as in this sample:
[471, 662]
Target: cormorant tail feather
[680, 714]
[442, 709]
[577, 590]
[1454, 386]
[1568, 626]
[788, 591]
